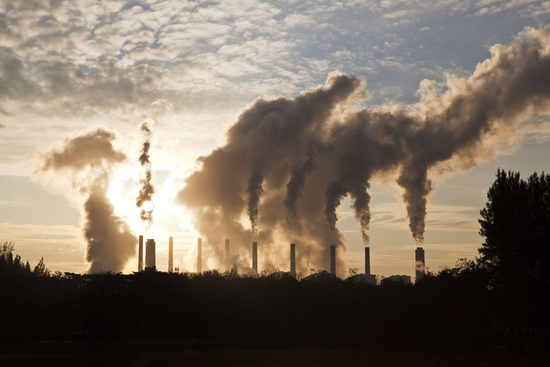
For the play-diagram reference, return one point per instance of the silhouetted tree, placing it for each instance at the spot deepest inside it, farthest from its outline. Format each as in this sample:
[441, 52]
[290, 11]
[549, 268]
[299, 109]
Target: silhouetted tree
[516, 225]
[40, 269]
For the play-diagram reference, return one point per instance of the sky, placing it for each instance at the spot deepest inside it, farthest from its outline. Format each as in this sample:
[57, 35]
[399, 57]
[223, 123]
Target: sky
[190, 68]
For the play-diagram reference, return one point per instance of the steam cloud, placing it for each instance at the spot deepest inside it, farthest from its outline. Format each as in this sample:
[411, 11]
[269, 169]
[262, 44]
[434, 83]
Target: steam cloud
[147, 189]
[86, 161]
[288, 163]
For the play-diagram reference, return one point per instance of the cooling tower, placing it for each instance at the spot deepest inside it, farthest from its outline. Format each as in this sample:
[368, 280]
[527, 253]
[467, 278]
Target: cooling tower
[367, 261]
[333, 260]
[293, 260]
[420, 263]
[140, 254]
[170, 254]
[150, 253]
[199, 255]
[255, 257]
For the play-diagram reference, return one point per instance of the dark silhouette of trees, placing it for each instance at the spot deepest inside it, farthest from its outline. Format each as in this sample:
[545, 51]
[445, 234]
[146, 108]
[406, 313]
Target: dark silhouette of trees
[507, 288]
[9, 263]
[516, 225]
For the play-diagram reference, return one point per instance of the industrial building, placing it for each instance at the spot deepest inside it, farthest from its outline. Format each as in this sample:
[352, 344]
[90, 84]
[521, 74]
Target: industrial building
[150, 260]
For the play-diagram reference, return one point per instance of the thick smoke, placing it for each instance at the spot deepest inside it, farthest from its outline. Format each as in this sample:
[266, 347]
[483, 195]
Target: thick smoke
[85, 162]
[110, 241]
[147, 189]
[288, 163]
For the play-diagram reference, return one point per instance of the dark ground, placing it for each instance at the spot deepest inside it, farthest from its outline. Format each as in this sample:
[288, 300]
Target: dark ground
[274, 349]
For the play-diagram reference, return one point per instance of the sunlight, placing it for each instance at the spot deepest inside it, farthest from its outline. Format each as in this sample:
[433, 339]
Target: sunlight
[148, 206]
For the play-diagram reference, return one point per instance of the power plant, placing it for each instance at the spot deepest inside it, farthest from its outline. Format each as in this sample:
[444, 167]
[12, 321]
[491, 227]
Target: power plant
[171, 254]
[420, 263]
[370, 278]
[140, 254]
[333, 260]
[227, 266]
[150, 260]
[255, 257]
[150, 254]
[199, 255]
[293, 260]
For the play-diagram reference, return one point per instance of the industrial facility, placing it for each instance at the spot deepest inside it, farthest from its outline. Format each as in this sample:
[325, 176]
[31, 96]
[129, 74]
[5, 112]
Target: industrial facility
[150, 261]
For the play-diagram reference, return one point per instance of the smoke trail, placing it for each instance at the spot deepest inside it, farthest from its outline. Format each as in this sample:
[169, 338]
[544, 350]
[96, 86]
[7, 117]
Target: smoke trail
[147, 189]
[267, 139]
[85, 162]
[254, 192]
[268, 156]
[294, 189]
[110, 241]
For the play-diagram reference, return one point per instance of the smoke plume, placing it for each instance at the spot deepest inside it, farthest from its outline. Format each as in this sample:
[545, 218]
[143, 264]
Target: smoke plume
[85, 162]
[288, 163]
[147, 189]
[110, 241]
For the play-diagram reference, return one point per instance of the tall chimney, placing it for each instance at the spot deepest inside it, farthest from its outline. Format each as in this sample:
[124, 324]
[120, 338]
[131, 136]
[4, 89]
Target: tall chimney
[255, 257]
[293, 260]
[367, 261]
[150, 254]
[227, 266]
[170, 254]
[199, 255]
[333, 260]
[140, 254]
[420, 263]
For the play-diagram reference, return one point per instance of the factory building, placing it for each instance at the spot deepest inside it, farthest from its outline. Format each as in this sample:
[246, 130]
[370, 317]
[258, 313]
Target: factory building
[405, 279]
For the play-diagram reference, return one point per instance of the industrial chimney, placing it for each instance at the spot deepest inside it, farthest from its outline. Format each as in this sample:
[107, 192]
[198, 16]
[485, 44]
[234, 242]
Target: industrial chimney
[199, 255]
[293, 260]
[420, 263]
[227, 266]
[255, 257]
[333, 260]
[150, 261]
[140, 254]
[170, 254]
[367, 261]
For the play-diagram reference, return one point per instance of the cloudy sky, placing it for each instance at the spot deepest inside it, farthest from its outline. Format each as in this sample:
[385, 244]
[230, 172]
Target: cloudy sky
[190, 67]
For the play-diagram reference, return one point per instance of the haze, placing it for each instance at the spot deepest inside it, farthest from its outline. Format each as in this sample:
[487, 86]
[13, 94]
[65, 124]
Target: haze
[81, 79]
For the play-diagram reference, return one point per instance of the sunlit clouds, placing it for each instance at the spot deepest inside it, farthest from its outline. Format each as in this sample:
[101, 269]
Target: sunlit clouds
[190, 69]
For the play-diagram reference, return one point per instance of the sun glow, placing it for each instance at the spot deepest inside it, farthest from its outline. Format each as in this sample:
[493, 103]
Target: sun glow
[169, 218]
[148, 206]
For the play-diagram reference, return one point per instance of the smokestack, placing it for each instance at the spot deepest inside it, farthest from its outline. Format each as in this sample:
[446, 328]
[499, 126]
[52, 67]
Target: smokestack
[255, 257]
[170, 254]
[150, 253]
[293, 260]
[199, 255]
[140, 254]
[420, 263]
[333, 260]
[367, 261]
[227, 266]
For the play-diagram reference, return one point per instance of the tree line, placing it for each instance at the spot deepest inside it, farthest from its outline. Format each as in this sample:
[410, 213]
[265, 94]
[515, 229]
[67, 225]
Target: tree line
[505, 289]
